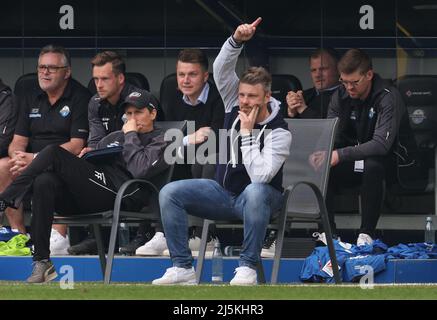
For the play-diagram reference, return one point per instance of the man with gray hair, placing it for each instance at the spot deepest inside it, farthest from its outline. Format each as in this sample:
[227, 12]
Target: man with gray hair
[59, 181]
[54, 112]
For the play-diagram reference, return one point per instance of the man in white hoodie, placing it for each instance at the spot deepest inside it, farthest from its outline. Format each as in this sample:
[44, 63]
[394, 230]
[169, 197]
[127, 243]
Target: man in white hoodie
[249, 189]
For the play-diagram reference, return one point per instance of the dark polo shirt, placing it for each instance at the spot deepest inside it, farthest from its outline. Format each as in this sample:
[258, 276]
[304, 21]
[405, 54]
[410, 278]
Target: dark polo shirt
[45, 124]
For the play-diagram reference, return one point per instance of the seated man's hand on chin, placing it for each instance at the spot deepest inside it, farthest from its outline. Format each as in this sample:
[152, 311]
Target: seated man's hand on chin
[248, 120]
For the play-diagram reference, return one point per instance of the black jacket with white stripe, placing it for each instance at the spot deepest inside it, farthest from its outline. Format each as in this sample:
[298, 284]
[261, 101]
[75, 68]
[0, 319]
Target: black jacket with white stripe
[142, 157]
[370, 127]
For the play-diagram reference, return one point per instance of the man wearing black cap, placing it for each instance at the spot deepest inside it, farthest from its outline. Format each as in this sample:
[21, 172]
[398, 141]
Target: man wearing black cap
[63, 183]
[106, 115]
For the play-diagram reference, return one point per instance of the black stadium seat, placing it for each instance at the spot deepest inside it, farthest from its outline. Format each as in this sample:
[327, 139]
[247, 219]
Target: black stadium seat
[167, 89]
[134, 78]
[281, 85]
[419, 93]
[26, 82]
[420, 96]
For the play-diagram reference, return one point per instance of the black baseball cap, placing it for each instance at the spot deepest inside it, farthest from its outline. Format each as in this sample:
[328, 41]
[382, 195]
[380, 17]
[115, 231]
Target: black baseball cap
[140, 99]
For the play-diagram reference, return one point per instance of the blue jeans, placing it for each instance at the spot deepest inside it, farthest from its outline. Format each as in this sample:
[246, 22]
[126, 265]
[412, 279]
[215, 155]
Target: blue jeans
[207, 199]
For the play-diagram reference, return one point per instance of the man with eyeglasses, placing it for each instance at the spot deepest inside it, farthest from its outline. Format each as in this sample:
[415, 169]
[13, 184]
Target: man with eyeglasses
[370, 110]
[87, 186]
[55, 112]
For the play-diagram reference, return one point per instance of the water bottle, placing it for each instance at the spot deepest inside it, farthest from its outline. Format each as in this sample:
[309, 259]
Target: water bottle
[232, 251]
[429, 231]
[123, 235]
[217, 264]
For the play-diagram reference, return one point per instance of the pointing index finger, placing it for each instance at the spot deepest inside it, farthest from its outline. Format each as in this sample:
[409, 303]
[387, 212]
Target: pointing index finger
[256, 22]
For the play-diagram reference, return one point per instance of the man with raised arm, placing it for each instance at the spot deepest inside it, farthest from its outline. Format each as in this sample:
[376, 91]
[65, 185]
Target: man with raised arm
[249, 186]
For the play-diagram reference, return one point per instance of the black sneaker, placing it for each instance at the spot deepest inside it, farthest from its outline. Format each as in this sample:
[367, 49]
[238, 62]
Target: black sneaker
[5, 204]
[43, 271]
[269, 246]
[131, 247]
[87, 246]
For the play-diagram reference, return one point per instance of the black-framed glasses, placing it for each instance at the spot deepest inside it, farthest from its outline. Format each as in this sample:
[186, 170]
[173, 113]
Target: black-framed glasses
[49, 68]
[351, 83]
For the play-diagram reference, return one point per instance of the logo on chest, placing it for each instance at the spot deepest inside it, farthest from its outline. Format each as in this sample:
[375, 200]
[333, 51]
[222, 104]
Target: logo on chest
[34, 113]
[65, 111]
[105, 122]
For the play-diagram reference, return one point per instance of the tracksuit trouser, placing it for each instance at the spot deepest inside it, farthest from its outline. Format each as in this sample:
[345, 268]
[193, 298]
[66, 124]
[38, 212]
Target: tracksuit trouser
[370, 185]
[63, 183]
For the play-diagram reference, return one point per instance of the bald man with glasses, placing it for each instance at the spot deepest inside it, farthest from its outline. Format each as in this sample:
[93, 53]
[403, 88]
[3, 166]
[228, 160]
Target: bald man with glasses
[370, 111]
[56, 112]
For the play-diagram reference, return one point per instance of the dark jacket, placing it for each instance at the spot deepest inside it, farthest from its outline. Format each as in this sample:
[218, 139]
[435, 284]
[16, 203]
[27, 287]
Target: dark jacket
[142, 158]
[236, 178]
[367, 128]
[8, 118]
[262, 156]
[209, 114]
[317, 104]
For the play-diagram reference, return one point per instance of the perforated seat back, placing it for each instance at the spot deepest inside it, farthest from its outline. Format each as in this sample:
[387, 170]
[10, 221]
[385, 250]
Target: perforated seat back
[310, 137]
[281, 85]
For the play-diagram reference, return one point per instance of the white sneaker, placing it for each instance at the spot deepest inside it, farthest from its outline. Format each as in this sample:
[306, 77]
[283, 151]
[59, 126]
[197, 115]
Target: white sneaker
[364, 239]
[176, 275]
[320, 237]
[154, 247]
[194, 244]
[58, 244]
[244, 276]
[268, 252]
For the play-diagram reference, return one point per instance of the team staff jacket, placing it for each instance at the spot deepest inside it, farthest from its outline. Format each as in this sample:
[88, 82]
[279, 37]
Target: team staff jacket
[45, 124]
[262, 155]
[370, 127]
[142, 157]
[105, 118]
[8, 118]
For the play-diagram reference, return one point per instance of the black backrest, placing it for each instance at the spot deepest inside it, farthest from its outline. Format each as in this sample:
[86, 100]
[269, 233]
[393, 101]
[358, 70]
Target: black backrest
[25, 83]
[169, 88]
[419, 93]
[134, 78]
[281, 85]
